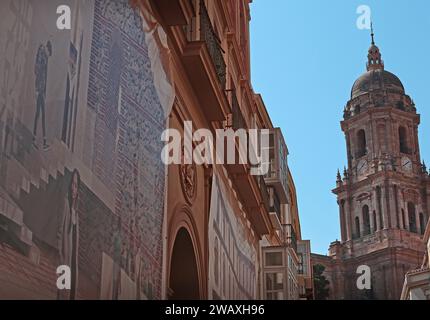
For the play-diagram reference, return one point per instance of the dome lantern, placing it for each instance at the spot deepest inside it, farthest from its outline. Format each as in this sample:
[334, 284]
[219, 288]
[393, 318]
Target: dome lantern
[374, 57]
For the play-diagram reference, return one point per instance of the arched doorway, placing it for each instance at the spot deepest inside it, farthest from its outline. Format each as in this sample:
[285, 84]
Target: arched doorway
[184, 280]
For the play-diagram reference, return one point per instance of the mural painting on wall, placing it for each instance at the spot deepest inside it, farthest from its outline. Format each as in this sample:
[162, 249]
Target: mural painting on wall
[233, 258]
[41, 77]
[81, 180]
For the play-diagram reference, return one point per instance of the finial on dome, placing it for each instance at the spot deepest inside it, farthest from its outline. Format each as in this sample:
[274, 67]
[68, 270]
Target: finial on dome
[374, 57]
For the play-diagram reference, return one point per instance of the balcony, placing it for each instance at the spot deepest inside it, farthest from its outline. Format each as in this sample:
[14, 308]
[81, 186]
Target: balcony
[203, 59]
[235, 119]
[275, 209]
[175, 12]
[275, 204]
[289, 236]
[263, 190]
[278, 165]
[208, 35]
[252, 192]
[238, 119]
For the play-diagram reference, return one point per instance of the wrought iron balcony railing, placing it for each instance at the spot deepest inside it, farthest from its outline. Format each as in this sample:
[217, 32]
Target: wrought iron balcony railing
[208, 35]
[238, 119]
[263, 190]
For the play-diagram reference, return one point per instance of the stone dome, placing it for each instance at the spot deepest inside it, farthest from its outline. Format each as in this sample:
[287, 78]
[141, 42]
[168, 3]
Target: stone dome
[376, 79]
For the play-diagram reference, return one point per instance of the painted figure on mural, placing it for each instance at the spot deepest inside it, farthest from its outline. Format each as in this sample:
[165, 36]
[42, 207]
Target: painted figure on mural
[41, 73]
[70, 95]
[68, 240]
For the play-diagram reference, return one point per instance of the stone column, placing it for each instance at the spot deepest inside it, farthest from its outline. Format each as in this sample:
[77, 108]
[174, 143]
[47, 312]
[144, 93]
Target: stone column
[374, 208]
[372, 227]
[394, 207]
[391, 128]
[359, 211]
[385, 206]
[348, 219]
[427, 209]
[402, 205]
[402, 218]
[417, 218]
[413, 131]
[371, 138]
[406, 215]
[341, 204]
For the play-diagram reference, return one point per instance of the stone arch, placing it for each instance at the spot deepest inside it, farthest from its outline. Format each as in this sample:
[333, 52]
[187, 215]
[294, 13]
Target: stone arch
[357, 228]
[183, 278]
[361, 143]
[403, 140]
[366, 219]
[412, 217]
[185, 271]
[422, 223]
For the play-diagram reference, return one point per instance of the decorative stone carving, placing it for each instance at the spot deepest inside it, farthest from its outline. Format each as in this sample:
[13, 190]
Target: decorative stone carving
[188, 176]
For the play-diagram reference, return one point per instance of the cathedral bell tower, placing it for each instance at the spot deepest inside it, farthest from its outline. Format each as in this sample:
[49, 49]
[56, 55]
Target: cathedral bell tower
[384, 194]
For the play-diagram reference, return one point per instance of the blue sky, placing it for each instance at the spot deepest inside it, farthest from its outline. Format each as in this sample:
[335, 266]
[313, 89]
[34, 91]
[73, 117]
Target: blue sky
[306, 55]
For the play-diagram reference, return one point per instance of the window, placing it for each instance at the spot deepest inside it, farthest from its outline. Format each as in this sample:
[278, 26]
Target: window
[403, 219]
[275, 263]
[366, 220]
[375, 226]
[422, 223]
[412, 218]
[361, 143]
[357, 227]
[300, 270]
[274, 259]
[274, 286]
[378, 198]
[403, 142]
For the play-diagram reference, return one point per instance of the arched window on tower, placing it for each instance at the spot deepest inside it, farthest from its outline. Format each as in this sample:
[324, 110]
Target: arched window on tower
[375, 222]
[361, 143]
[357, 228]
[412, 217]
[379, 202]
[403, 140]
[422, 223]
[366, 220]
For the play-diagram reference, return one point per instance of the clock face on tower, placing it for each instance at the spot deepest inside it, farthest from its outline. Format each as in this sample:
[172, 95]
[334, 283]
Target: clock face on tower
[362, 167]
[406, 164]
